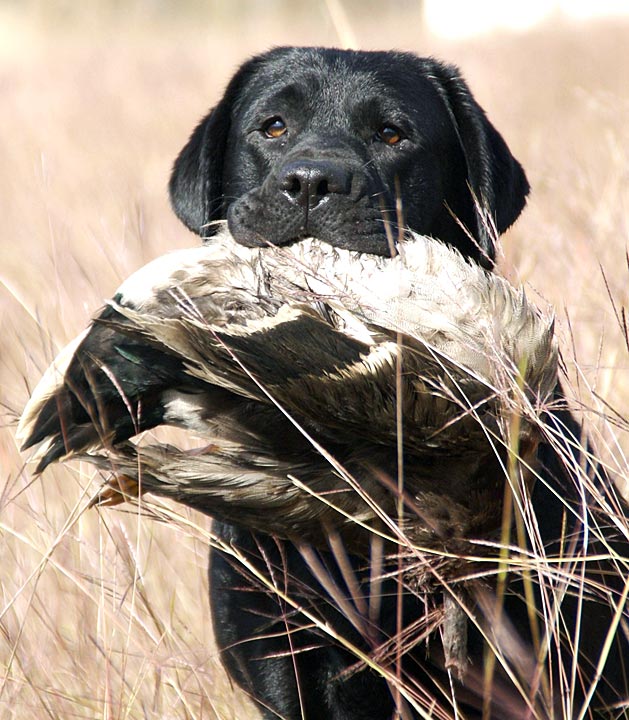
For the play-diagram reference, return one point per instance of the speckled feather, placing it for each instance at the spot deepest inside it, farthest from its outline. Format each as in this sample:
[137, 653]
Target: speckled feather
[216, 339]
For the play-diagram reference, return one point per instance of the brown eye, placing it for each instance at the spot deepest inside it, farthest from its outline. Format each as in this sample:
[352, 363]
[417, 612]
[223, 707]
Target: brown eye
[274, 128]
[389, 134]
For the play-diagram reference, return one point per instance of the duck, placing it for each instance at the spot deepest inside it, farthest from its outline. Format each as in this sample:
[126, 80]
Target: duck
[329, 388]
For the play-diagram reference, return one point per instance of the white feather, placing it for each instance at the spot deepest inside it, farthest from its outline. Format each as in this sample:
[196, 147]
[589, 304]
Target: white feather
[50, 382]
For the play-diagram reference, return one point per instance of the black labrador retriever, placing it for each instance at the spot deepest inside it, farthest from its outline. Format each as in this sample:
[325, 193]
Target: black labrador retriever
[350, 147]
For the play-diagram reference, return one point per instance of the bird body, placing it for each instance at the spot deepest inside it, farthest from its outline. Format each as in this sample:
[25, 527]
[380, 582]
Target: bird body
[317, 377]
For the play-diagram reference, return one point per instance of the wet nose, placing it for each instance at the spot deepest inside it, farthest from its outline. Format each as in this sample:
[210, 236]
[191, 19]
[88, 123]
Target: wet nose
[308, 182]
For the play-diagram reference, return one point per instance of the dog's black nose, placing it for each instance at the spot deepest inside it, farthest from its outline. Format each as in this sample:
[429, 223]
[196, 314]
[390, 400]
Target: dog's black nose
[308, 182]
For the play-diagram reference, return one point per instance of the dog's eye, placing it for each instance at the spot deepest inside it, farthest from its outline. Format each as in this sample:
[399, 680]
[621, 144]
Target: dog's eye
[389, 134]
[274, 128]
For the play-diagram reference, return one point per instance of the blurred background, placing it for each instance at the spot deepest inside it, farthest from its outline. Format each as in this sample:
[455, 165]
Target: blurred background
[104, 614]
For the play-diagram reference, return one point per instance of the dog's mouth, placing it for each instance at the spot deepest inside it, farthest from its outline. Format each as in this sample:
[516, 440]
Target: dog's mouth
[258, 221]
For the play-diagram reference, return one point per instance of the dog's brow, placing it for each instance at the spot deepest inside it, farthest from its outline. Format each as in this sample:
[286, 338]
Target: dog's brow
[377, 109]
[292, 95]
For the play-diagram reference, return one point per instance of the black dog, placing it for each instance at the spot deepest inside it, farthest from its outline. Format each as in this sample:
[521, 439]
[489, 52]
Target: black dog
[348, 146]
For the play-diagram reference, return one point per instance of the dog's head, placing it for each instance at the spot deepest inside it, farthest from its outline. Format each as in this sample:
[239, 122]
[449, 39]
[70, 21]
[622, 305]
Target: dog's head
[338, 144]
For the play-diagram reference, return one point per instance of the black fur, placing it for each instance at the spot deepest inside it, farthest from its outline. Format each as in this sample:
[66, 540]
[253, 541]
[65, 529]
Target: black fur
[330, 176]
[333, 104]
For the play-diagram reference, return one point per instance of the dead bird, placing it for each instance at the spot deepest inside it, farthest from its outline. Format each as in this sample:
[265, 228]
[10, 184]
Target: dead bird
[222, 339]
[302, 367]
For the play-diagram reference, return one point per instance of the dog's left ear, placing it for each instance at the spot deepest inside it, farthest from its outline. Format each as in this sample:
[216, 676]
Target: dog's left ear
[497, 184]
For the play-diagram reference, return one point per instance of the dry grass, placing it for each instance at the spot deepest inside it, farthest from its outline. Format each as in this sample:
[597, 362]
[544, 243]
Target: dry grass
[105, 614]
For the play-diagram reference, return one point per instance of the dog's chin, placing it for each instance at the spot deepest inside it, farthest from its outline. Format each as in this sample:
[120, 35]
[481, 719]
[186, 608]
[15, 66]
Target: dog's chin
[370, 238]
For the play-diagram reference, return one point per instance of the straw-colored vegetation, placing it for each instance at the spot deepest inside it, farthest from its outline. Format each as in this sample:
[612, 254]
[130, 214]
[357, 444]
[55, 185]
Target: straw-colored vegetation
[104, 614]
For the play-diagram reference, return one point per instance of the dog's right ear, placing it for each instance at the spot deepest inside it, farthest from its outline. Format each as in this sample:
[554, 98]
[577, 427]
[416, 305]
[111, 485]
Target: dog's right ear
[196, 181]
[195, 186]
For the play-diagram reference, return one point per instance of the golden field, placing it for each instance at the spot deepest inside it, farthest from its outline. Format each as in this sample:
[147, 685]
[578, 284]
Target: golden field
[104, 614]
